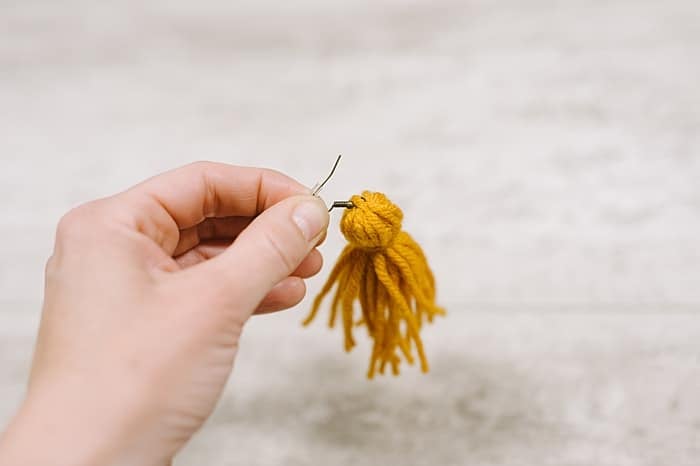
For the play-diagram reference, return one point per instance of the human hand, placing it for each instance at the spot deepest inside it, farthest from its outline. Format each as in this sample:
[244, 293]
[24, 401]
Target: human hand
[146, 296]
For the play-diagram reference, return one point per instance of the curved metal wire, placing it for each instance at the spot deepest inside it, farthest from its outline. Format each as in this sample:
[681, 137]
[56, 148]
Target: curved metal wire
[317, 189]
[319, 186]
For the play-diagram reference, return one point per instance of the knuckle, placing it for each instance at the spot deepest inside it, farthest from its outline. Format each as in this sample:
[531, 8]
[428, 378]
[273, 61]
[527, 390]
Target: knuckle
[71, 224]
[51, 266]
[272, 173]
[201, 166]
[79, 222]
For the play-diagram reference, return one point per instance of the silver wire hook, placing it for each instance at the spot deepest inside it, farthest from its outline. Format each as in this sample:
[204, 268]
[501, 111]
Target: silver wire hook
[319, 186]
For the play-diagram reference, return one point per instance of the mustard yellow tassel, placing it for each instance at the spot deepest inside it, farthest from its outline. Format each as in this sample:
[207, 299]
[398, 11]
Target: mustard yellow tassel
[384, 270]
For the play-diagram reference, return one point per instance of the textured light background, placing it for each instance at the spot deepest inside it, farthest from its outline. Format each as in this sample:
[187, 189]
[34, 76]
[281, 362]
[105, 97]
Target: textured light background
[546, 154]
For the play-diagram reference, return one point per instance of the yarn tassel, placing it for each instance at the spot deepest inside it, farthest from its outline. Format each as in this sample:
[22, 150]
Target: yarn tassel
[386, 272]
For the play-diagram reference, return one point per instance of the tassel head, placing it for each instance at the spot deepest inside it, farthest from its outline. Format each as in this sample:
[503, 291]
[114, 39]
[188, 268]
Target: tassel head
[373, 223]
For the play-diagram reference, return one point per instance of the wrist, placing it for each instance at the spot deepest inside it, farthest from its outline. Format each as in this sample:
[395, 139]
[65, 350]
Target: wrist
[62, 431]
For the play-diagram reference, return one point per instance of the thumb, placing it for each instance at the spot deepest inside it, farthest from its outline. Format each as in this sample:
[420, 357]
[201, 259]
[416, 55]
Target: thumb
[267, 251]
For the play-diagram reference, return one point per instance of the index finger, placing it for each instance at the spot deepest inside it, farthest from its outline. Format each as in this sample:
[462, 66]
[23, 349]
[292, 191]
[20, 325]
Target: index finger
[163, 205]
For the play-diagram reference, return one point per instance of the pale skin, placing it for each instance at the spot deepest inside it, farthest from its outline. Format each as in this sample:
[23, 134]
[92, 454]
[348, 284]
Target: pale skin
[146, 295]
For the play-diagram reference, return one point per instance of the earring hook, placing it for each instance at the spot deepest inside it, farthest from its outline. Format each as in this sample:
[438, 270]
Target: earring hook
[319, 186]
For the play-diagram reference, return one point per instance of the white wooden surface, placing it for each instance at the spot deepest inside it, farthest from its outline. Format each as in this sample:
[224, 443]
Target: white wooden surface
[546, 155]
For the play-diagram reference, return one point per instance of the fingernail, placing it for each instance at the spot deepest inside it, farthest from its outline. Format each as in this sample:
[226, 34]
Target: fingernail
[310, 216]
